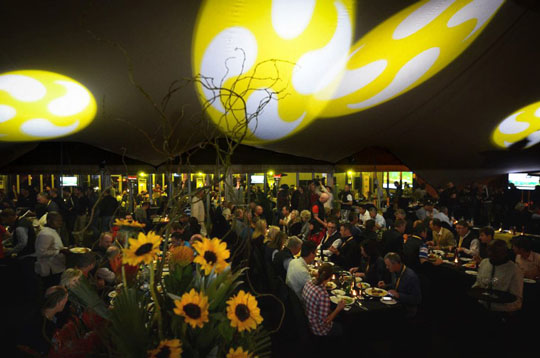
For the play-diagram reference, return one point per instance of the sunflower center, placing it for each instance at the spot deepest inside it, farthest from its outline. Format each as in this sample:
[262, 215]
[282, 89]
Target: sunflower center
[164, 352]
[242, 312]
[144, 249]
[192, 310]
[210, 257]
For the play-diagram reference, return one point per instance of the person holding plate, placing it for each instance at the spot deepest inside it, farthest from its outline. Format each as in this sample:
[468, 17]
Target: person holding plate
[405, 285]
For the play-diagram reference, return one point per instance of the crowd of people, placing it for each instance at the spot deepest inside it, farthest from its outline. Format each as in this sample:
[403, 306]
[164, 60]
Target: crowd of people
[277, 242]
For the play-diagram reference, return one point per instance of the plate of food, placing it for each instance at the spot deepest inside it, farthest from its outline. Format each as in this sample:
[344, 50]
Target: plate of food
[471, 265]
[331, 285]
[358, 279]
[79, 250]
[112, 294]
[529, 280]
[376, 292]
[348, 300]
[363, 285]
[388, 300]
[472, 273]
[433, 257]
[338, 292]
[438, 252]
[345, 273]
[465, 259]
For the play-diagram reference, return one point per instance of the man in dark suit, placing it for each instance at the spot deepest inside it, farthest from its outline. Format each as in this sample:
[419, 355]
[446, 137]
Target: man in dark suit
[392, 240]
[348, 254]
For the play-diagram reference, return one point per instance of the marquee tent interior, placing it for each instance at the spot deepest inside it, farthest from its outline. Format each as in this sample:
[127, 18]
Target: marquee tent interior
[446, 122]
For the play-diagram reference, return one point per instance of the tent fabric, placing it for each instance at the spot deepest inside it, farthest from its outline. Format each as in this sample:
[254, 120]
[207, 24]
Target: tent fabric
[443, 124]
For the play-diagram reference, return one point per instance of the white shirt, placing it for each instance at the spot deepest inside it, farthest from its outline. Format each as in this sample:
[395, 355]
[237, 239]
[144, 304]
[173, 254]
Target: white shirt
[379, 220]
[443, 217]
[297, 276]
[336, 244]
[49, 259]
[474, 249]
[508, 278]
[364, 217]
[197, 209]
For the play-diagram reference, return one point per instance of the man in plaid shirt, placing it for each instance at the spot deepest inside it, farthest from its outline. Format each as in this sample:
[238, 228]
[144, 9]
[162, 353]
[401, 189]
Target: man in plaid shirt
[317, 304]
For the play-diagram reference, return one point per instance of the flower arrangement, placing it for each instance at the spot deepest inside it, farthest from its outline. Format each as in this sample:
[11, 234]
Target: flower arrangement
[185, 303]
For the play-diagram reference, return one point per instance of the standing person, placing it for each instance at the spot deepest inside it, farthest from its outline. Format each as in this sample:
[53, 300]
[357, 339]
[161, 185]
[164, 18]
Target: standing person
[50, 260]
[46, 205]
[141, 213]
[107, 207]
[283, 198]
[346, 201]
[318, 213]
[81, 209]
[198, 210]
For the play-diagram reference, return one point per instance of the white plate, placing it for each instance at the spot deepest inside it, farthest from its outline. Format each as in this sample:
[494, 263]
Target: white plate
[336, 299]
[331, 285]
[448, 262]
[528, 280]
[390, 302]
[338, 292]
[112, 294]
[358, 279]
[79, 250]
[439, 252]
[470, 272]
[465, 259]
[363, 285]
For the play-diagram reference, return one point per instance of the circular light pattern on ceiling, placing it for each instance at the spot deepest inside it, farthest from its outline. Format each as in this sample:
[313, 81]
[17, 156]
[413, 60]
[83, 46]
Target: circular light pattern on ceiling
[234, 48]
[522, 126]
[406, 50]
[37, 105]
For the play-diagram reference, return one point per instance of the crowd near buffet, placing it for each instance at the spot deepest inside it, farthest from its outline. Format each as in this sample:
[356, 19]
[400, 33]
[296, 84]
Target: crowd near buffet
[451, 273]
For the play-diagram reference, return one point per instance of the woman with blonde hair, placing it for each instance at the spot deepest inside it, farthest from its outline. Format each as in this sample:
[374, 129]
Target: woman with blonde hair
[258, 274]
[305, 216]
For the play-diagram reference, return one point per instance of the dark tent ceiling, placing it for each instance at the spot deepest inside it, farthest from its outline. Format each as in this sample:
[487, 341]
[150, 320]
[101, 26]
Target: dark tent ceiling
[444, 123]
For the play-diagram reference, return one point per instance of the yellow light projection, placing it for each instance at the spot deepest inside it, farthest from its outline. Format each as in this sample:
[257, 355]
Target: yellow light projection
[234, 45]
[322, 75]
[406, 50]
[524, 124]
[37, 105]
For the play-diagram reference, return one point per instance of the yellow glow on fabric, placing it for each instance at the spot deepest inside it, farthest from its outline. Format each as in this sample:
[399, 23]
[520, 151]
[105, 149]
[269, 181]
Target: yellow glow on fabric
[406, 50]
[37, 105]
[233, 39]
[524, 124]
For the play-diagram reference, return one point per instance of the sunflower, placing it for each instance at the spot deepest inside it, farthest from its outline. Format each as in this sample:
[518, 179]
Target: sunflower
[243, 311]
[143, 249]
[211, 255]
[169, 348]
[193, 306]
[239, 353]
[181, 255]
[128, 223]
